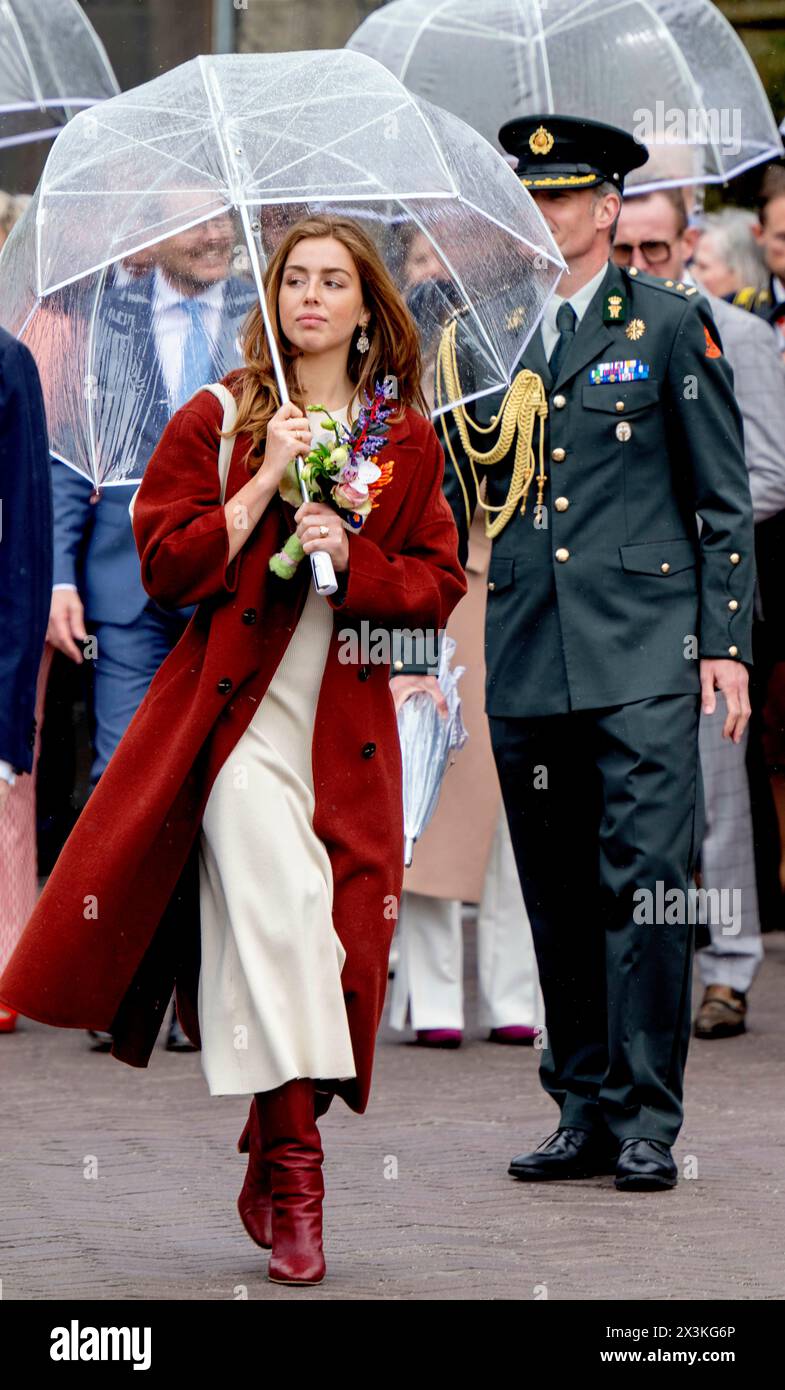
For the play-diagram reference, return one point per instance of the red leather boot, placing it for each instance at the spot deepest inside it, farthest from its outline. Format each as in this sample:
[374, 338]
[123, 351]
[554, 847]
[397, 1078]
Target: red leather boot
[255, 1203]
[293, 1149]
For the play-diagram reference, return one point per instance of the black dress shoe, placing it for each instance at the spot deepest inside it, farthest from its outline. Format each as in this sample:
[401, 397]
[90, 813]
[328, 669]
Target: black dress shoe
[569, 1153]
[177, 1039]
[99, 1042]
[645, 1165]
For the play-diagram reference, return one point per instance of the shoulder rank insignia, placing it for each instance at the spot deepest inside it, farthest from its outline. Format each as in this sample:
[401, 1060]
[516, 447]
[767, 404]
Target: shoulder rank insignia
[614, 309]
[635, 329]
[712, 349]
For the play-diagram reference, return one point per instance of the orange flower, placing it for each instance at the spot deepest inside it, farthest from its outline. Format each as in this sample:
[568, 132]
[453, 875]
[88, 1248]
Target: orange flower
[386, 476]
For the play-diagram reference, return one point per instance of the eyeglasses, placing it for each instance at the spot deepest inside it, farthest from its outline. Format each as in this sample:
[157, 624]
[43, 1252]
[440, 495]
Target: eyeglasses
[655, 252]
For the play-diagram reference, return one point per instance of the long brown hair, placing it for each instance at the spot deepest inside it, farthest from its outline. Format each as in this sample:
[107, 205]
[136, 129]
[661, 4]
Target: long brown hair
[394, 349]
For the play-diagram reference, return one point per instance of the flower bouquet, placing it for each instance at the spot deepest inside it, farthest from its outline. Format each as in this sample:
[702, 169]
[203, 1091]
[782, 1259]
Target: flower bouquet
[344, 474]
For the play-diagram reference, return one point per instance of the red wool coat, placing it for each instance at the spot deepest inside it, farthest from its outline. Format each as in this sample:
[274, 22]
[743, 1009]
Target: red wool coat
[117, 924]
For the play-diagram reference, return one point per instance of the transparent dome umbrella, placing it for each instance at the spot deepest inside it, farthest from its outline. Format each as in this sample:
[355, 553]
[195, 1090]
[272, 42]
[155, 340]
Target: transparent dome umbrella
[672, 72]
[264, 139]
[52, 64]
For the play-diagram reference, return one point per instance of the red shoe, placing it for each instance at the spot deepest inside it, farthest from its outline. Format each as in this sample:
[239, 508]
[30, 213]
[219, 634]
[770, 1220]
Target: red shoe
[439, 1037]
[255, 1203]
[293, 1149]
[8, 1019]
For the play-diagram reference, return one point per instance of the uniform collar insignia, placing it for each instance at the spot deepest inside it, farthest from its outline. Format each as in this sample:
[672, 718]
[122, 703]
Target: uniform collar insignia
[614, 307]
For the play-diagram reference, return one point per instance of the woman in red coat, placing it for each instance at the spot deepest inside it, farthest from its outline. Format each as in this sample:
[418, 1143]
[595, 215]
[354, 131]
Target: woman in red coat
[245, 843]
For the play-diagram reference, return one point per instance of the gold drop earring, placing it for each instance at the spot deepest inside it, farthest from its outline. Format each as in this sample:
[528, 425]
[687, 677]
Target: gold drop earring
[363, 342]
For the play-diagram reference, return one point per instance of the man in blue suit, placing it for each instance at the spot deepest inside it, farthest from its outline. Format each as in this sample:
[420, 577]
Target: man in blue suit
[161, 336]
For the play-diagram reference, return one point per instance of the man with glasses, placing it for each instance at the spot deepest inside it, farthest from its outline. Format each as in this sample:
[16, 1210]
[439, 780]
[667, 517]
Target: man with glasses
[653, 234]
[608, 617]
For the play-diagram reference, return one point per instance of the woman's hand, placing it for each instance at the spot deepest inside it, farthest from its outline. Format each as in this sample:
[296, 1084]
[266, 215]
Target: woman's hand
[288, 434]
[401, 687]
[309, 517]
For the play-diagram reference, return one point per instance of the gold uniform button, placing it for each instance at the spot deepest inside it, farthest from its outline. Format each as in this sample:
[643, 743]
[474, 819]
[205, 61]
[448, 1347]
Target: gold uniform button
[558, 455]
[680, 285]
[620, 405]
[561, 504]
[491, 584]
[733, 605]
[665, 567]
[562, 555]
[624, 431]
[560, 402]
[733, 651]
[633, 270]
[398, 665]
[669, 284]
[735, 557]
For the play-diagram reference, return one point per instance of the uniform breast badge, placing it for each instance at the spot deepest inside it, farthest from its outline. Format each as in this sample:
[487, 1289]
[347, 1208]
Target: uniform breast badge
[630, 369]
[635, 329]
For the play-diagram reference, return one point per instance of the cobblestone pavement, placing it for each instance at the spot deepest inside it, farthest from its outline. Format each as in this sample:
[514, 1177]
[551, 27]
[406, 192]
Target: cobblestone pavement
[419, 1204]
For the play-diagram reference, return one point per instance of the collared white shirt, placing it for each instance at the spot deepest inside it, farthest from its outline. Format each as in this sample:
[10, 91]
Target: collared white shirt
[171, 323]
[580, 302]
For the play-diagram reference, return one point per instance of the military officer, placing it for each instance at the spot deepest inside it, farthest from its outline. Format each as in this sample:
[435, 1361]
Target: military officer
[612, 616]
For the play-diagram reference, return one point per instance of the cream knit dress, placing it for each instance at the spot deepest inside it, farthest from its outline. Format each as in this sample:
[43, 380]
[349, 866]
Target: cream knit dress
[270, 1001]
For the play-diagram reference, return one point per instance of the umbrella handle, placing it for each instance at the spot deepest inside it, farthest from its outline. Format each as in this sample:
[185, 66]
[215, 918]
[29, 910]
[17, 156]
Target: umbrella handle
[321, 564]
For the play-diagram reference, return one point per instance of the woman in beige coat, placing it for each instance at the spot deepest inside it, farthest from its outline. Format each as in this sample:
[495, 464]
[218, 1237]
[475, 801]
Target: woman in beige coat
[465, 855]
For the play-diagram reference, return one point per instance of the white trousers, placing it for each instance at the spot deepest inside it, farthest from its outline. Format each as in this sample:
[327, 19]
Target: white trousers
[428, 983]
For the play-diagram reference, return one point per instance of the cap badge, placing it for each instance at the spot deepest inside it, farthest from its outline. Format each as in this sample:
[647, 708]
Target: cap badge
[541, 142]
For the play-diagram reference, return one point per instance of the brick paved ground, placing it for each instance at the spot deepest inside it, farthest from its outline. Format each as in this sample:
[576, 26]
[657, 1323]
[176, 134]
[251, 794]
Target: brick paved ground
[159, 1220]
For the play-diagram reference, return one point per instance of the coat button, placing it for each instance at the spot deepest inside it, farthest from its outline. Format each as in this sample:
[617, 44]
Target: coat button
[398, 665]
[224, 685]
[560, 402]
[558, 455]
[620, 406]
[733, 651]
[249, 615]
[665, 567]
[735, 557]
[368, 750]
[562, 555]
[733, 605]
[365, 671]
[561, 504]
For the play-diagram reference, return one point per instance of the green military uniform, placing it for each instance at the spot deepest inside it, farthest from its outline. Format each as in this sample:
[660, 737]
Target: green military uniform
[600, 603]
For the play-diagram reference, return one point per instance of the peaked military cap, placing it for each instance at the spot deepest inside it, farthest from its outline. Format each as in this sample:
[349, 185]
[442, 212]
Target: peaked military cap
[570, 151]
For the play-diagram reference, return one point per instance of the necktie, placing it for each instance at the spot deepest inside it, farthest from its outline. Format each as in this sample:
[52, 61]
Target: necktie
[197, 357]
[565, 322]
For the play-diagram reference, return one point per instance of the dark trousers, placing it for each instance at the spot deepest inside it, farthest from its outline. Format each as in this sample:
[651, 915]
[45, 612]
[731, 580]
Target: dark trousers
[601, 804]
